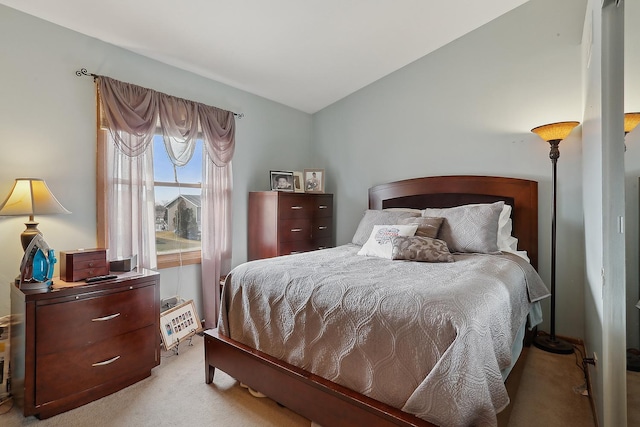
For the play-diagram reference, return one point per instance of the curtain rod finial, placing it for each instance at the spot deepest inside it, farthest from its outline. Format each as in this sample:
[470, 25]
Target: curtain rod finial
[83, 72]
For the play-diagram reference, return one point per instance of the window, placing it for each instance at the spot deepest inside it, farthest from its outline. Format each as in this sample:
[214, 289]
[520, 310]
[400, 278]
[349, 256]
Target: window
[178, 211]
[177, 204]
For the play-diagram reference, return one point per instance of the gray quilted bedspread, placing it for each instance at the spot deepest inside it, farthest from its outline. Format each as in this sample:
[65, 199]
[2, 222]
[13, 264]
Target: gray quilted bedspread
[429, 338]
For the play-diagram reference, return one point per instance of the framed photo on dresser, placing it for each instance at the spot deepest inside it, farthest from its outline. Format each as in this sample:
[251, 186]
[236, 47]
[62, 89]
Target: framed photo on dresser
[314, 180]
[281, 180]
[298, 182]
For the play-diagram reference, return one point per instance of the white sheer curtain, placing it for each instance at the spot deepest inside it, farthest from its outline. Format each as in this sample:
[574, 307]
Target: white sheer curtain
[131, 114]
[130, 207]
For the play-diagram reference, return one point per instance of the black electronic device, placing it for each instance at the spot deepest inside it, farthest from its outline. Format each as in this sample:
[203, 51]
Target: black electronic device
[100, 278]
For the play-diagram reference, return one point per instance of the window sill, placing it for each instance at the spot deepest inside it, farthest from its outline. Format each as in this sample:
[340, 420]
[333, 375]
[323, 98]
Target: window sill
[176, 260]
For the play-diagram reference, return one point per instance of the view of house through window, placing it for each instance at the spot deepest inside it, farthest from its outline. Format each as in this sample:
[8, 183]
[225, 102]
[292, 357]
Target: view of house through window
[178, 210]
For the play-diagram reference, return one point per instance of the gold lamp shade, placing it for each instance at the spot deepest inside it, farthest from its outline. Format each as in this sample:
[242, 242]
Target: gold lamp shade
[555, 131]
[631, 120]
[30, 196]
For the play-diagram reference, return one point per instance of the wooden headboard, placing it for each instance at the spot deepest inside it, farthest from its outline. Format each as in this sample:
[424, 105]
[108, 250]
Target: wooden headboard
[456, 190]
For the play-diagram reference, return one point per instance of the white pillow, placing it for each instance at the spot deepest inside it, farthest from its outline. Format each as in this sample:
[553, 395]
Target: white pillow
[506, 242]
[380, 243]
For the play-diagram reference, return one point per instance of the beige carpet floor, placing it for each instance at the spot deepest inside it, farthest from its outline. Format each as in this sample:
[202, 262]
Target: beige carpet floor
[176, 395]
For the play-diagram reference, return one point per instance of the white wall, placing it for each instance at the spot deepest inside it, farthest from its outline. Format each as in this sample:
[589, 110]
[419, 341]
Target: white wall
[604, 194]
[48, 131]
[468, 109]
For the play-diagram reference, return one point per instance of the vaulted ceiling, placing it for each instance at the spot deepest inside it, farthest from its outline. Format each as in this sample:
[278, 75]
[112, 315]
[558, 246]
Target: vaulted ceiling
[306, 54]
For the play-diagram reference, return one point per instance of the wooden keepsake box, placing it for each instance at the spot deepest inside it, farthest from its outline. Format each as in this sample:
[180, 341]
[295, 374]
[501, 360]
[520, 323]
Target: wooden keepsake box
[83, 263]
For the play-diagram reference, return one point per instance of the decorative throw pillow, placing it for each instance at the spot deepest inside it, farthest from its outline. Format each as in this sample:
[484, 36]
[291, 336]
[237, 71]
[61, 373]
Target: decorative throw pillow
[378, 217]
[379, 242]
[469, 228]
[416, 248]
[427, 226]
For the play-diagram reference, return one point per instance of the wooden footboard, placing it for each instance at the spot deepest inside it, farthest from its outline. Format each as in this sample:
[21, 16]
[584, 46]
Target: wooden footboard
[313, 397]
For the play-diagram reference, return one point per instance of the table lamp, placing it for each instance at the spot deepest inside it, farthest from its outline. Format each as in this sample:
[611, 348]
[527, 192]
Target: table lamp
[30, 196]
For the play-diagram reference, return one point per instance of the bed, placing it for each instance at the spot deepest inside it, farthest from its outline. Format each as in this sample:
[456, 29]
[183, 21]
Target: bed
[458, 380]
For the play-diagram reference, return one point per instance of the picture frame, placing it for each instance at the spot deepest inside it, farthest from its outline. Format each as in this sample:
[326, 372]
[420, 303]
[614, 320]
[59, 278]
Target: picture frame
[179, 323]
[314, 180]
[298, 182]
[281, 181]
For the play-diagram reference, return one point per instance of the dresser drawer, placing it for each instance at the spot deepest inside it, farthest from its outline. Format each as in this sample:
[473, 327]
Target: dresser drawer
[322, 227]
[74, 370]
[294, 229]
[295, 206]
[299, 246]
[321, 243]
[92, 318]
[294, 247]
[323, 206]
[305, 206]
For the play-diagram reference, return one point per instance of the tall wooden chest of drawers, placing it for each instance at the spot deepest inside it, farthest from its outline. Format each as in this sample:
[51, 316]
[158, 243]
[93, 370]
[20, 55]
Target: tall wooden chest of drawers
[79, 342]
[283, 223]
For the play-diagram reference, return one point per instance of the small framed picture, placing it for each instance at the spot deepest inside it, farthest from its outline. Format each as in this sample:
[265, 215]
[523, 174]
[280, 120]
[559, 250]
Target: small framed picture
[298, 181]
[281, 180]
[314, 180]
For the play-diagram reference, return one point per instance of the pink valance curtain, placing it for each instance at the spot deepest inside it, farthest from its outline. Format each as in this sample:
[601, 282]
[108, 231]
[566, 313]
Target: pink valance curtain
[132, 115]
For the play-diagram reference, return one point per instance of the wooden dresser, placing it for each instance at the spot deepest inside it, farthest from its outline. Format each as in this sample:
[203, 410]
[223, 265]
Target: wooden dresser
[79, 342]
[283, 223]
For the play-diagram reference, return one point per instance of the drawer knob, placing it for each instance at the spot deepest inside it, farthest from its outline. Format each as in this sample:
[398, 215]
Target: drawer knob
[91, 264]
[322, 207]
[106, 362]
[296, 207]
[296, 230]
[105, 318]
[322, 227]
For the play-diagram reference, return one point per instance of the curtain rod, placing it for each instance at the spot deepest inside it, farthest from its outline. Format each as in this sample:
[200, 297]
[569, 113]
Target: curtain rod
[82, 72]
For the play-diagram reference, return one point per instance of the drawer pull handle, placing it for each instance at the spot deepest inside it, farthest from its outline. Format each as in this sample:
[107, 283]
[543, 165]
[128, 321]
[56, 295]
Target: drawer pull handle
[322, 227]
[296, 230]
[106, 362]
[105, 318]
[322, 207]
[322, 247]
[295, 252]
[296, 207]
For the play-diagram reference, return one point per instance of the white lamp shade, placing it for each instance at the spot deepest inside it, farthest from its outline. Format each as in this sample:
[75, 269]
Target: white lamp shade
[31, 196]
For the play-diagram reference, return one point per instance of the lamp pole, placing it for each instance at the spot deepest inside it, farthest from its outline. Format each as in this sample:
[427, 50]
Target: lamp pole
[550, 342]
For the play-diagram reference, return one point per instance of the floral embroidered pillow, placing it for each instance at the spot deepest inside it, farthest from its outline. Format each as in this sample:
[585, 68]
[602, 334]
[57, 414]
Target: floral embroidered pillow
[379, 242]
[417, 248]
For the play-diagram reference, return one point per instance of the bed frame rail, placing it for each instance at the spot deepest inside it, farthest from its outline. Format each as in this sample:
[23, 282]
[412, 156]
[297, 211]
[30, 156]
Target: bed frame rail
[309, 395]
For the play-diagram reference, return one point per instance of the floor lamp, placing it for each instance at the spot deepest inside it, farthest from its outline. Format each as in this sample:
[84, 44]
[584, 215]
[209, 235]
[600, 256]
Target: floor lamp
[554, 133]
